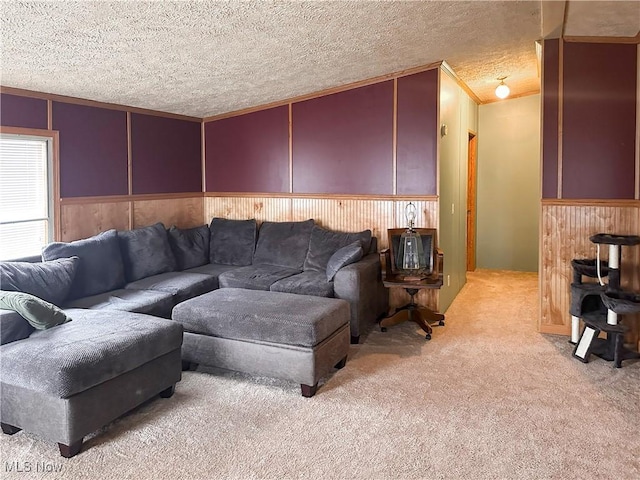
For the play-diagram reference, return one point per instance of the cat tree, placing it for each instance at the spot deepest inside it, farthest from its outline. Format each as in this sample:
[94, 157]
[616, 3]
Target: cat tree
[601, 305]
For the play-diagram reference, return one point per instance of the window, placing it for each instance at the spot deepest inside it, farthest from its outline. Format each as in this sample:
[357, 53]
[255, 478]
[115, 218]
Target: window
[26, 206]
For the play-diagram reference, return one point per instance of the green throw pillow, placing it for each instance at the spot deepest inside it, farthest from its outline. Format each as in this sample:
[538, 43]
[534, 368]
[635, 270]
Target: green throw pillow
[40, 314]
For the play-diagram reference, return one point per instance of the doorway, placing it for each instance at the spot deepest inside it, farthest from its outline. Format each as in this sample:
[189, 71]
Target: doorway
[472, 179]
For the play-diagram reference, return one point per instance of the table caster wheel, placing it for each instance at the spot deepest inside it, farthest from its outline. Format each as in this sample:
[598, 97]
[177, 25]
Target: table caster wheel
[383, 329]
[441, 323]
[428, 336]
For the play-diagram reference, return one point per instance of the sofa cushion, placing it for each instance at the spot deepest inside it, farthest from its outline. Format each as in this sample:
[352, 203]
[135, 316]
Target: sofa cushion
[232, 242]
[13, 327]
[100, 268]
[96, 347]
[190, 246]
[212, 269]
[325, 243]
[283, 243]
[50, 281]
[151, 302]
[145, 252]
[305, 283]
[40, 314]
[254, 277]
[181, 285]
[344, 256]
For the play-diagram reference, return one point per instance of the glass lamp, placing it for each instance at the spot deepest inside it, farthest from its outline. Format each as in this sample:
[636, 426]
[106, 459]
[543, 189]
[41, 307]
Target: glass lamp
[502, 90]
[410, 257]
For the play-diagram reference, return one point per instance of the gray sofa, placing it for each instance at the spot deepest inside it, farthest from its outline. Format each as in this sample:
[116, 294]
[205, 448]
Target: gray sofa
[104, 283]
[151, 269]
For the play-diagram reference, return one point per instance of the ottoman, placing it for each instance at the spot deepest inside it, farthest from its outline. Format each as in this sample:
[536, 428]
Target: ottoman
[282, 335]
[68, 381]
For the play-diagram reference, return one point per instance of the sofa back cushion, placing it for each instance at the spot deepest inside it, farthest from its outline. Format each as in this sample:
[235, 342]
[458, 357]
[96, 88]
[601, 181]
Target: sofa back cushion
[50, 281]
[324, 243]
[232, 242]
[190, 246]
[284, 244]
[145, 252]
[100, 268]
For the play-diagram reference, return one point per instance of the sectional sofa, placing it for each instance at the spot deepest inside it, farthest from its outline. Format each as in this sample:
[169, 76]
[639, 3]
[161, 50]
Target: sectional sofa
[119, 289]
[150, 270]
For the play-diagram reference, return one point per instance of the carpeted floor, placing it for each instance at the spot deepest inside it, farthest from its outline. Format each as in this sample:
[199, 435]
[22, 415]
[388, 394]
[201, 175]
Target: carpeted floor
[487, 398]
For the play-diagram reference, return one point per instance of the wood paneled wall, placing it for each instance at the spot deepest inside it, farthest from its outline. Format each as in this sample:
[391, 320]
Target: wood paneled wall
[84, 217]
[349, 214]
[565, 231]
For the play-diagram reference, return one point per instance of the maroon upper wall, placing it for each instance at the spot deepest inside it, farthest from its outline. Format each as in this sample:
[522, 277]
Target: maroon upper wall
[93, 150]
[343, 143]
[416, 160]
[26, 112]
[599, 121]
[249, 153]
[165, 155]
[550, 85]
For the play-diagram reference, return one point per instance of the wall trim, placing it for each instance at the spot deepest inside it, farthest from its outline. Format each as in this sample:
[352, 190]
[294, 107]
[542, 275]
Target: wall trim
[93, 103]
[328, 91]
[203, 155]
[128, 198]
[461, 84]
[327, 196]
[290, 139]
[637, 192]
[560, 110]
[589, 202]
[394, 139]
[627, 40]
[513, 97]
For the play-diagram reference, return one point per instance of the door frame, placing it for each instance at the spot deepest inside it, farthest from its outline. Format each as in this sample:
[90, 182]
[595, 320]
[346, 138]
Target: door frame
[472, 192]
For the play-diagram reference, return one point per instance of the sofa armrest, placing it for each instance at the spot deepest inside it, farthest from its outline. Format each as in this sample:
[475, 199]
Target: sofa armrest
[361, 285]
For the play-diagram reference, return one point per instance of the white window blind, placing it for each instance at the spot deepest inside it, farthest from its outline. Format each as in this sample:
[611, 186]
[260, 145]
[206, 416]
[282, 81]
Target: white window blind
[25, 217]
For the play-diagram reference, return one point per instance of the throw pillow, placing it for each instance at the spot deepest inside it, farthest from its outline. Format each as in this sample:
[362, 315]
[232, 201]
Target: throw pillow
[145, 252]
[232, 242]
[50, 281]
[190, 246]
[344, 256]
[40, 314]
[13, 327]
[100, 268]
[325, 243]
[284, 244]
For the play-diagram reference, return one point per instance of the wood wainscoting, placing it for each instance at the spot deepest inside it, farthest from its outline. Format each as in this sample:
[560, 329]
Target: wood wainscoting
[344, 213]
[565, 230]
[87, 216]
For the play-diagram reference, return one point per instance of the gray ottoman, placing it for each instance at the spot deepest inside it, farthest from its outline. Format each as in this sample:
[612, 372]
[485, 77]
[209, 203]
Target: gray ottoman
[68, 381]
[282, 335]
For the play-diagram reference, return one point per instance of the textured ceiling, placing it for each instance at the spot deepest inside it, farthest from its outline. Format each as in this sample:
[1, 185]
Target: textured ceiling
[210, 57]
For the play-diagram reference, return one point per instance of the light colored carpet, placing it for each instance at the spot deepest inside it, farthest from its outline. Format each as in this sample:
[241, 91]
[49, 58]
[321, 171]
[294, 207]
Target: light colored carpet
[488, 398]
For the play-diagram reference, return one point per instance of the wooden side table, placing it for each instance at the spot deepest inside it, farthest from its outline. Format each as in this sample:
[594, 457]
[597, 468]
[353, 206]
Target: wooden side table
[412, 312]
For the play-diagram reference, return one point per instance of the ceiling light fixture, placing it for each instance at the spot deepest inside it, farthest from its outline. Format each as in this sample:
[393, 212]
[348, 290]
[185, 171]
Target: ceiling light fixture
[502, 90]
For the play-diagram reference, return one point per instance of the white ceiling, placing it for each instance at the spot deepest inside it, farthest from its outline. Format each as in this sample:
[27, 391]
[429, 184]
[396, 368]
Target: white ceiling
[203, 58]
